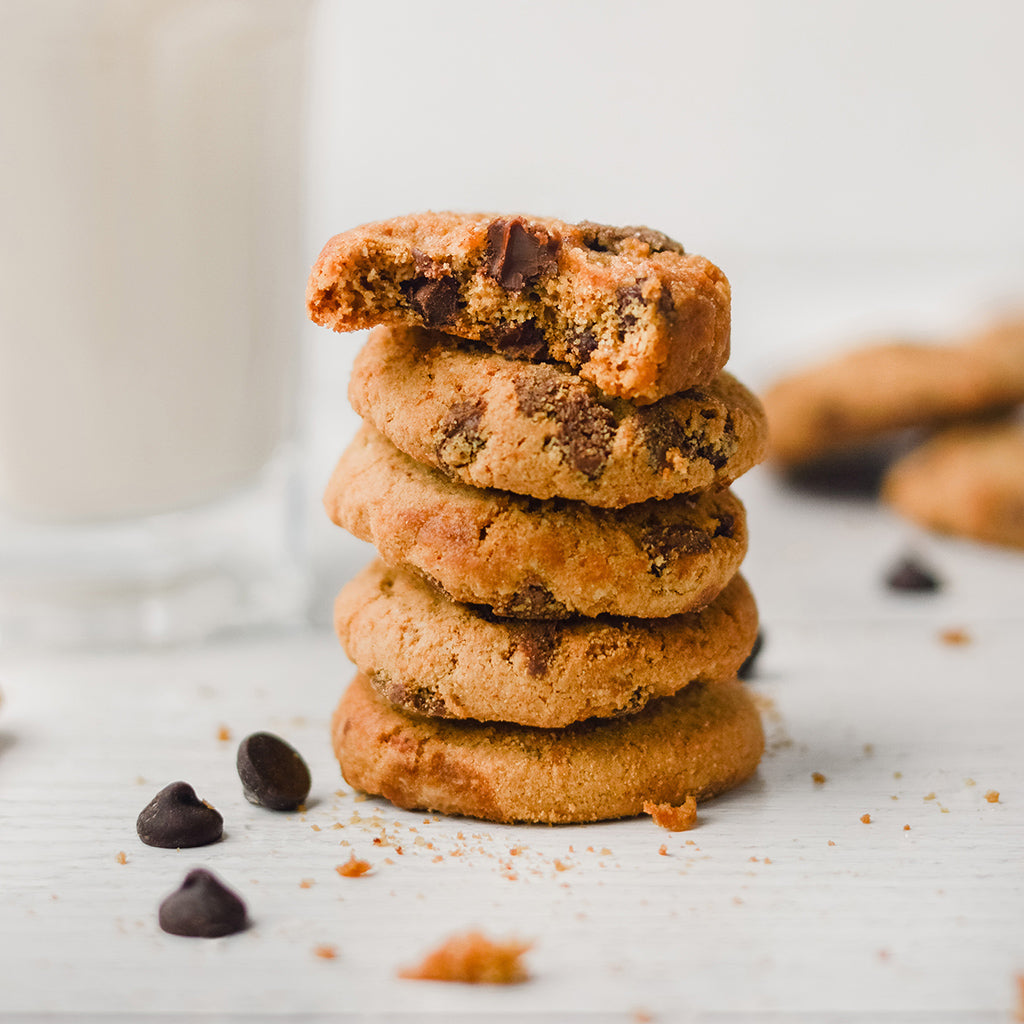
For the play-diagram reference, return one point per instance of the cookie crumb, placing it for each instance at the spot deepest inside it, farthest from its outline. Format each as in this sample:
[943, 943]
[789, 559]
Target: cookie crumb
[122, 857]
[906, 828]
[325, 952]
[473, 959]
[955, 637]
[818, 778]
[930, 796]
[306, 883]
[992, 796]
[354, 868]
[673, 818]
[663, 850]
[866, 818]
[830, 843]
[224, 734]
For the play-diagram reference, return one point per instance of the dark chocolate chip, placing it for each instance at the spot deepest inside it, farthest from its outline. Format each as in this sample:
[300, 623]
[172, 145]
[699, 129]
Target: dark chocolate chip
[628, 297]
[202, 908]
[176, 818]
[604, 238]
[585, 429]
[435, 299]
[665, 543]
[746, 670]
[662, 433]
[726, 525]
[909, 574]
[419, 700]
[532, 602]
[459, 437]
[520, 341]
[537, 642]
[580, 346]
[517, 254]
[273, 773]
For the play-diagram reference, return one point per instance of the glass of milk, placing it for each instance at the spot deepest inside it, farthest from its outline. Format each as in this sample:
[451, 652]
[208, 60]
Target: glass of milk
[151, 318]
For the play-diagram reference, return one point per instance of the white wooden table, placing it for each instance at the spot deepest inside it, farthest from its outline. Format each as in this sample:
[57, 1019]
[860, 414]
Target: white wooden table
[782, 905]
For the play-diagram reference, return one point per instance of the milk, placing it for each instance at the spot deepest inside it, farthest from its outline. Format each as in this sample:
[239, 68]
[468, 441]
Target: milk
[150, 273]
[151, 285]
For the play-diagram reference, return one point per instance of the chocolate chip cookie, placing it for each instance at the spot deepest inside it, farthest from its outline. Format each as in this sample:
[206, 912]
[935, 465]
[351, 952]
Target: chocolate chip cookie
[433, 656]
[628, 308]
[868, 392]
[967, 481]
[540, 429]
[704, 740]
[527, 558]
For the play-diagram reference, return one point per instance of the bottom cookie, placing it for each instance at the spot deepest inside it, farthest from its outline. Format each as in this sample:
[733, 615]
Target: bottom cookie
[700, 742]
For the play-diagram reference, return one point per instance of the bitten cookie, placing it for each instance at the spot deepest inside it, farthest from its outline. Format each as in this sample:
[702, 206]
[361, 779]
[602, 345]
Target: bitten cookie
[701, 742]
[533, 559]
[539, 429]
[637, 315]
[432, 656]
[967, 480]
[871, 391]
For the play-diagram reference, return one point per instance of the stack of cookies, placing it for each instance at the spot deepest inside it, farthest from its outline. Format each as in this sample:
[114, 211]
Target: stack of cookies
[553, 630]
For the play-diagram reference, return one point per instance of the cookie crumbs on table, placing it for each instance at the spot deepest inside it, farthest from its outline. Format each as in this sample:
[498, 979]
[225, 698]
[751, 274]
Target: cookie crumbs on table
[472, 958]
[673, 817]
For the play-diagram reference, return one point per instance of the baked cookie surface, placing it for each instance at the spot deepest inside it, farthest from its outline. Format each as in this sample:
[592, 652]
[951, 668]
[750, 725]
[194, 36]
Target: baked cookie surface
[540, 429]
[627, 307]
[967, 480]
[533, 559]
[432, 656]
[704, 740]
[880, 388]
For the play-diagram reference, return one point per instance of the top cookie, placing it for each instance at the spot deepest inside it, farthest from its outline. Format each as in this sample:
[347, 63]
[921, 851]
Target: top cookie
[627, 307]
[871, 391]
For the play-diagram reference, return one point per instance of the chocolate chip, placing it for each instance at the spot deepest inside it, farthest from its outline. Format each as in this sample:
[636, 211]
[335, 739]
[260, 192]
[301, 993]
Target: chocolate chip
[532, 602]
[604, 238]
[435, 299]
[517, 254]
[585, 429]
[665, 543]
[909, 574]
[520, 341]
[459, 437]
[176, 819]
[537, 642]
[662, 434]
[628, 298]
[726, 525]
[580, 346]
[273, 773]
[419, 700]
[202, 908]
[746, 670]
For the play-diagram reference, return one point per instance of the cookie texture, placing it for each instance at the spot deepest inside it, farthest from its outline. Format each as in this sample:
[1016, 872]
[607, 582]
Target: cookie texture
[967, 480]
[701, 742]
[433, 656]
[526, 558]
[540, 429]
[627, 307]
[868, 392]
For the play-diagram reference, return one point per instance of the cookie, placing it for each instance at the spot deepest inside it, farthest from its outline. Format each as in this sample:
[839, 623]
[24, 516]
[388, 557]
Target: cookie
[869, 392]
[967, 480]
[433, 656]
[533, 559]
[540, 429]
[627, 307]
[704, 740]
